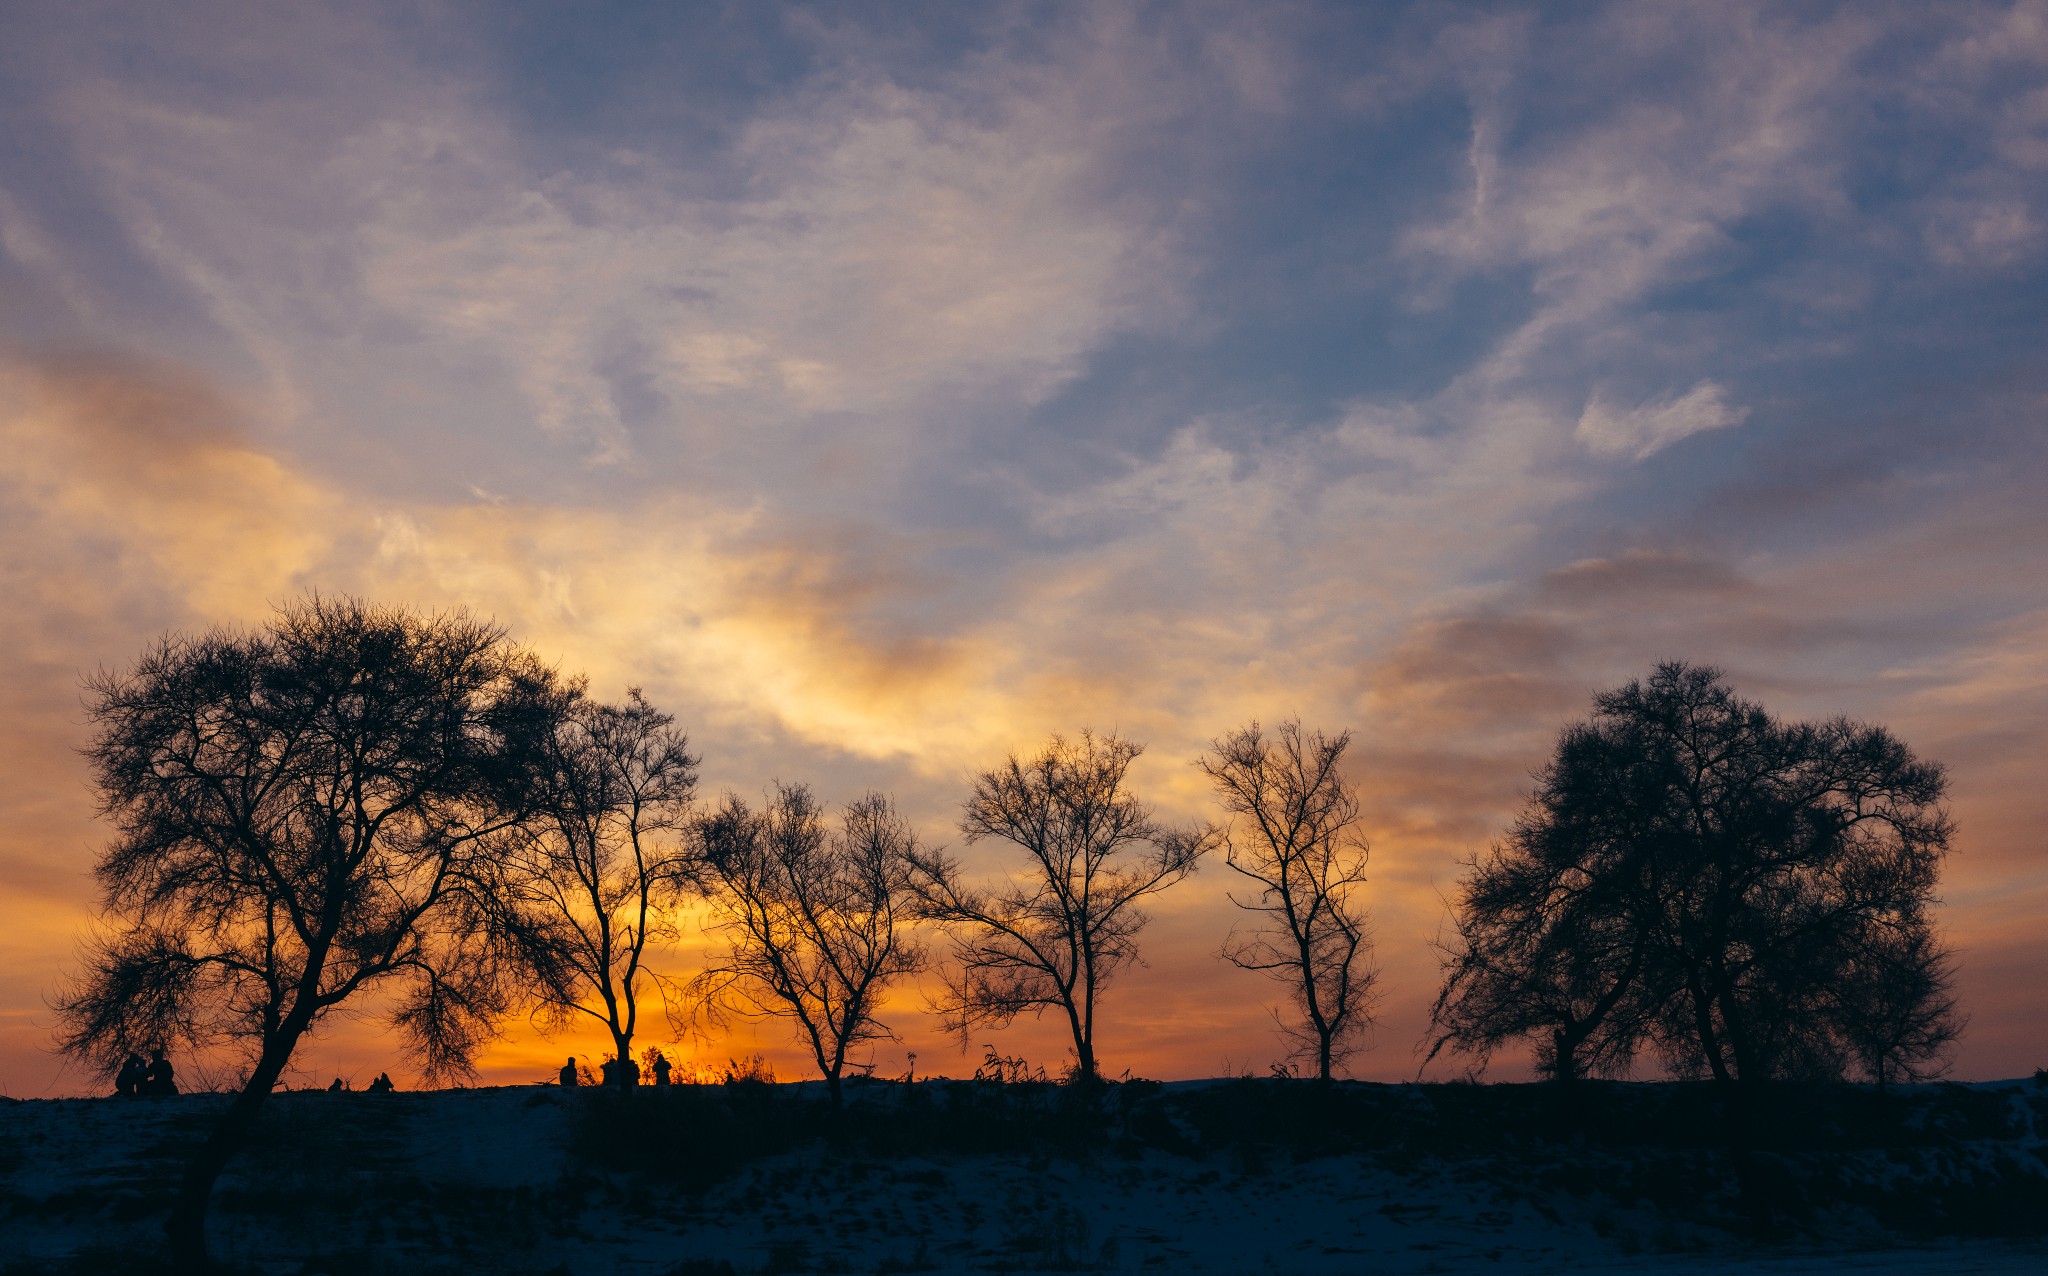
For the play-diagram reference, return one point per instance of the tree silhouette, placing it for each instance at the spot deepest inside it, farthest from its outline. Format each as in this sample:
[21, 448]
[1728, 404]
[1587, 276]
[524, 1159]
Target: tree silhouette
[596, 877]
[1897, 1006]
[303, 816]
[1749, 897]
[1555, 925]
[815, 920]
[1054, 939]
[1300, 848]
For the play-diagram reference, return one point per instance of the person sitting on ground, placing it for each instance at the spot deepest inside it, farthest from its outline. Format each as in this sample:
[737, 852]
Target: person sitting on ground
[159, 1079]
[128, 1082]
[608, 1073]
[661, 1069]
[382, 1085]
[569, 1072]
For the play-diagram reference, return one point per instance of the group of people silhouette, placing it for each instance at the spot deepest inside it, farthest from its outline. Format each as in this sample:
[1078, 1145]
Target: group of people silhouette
[157, 1077]
[619, 1072]
[137, 1078]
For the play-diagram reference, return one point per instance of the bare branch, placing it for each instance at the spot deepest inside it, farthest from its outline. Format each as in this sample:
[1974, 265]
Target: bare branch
[1054, 938]
[590, 889]
[816, 921]
[1297, 845]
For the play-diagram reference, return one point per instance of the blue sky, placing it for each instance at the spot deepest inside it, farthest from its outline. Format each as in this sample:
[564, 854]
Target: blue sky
[884, 387]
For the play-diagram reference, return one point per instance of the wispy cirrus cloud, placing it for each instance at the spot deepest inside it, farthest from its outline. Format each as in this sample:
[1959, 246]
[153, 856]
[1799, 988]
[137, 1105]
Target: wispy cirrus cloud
[874, 259]
[1646, 428]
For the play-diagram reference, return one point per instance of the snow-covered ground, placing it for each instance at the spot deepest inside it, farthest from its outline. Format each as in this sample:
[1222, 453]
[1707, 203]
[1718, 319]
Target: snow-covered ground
[508, 1180]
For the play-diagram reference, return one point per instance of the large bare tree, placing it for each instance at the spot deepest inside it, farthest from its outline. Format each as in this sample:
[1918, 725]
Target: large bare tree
[1750, 897]
[815, 919]
[1054, 937]
[1555, 927]
[597, 878]
[303, 814]
[1298, 844]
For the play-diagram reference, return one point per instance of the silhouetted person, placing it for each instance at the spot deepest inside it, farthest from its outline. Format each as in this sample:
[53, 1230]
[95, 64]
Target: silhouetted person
[382, 1085]
[159, 1079]
[661, 1069]
[628, 1074]
[569, 1072]
[337, 1087]
[608, 1073]
[128, 1082]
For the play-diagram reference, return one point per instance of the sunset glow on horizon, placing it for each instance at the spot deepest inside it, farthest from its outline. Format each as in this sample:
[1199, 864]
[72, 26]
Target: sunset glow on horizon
[885, 388]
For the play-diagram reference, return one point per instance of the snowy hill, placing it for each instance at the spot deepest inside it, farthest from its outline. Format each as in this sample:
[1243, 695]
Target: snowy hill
[1225, 1177]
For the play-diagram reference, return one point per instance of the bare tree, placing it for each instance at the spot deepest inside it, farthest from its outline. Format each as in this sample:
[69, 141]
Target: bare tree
[302, 813]
[1897, 1006]
[1054, 939]
[815, 920]
[595, 880]
[1302, 851]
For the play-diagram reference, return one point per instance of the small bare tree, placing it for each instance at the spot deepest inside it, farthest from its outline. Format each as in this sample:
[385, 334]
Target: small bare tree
[1897, 1006]
[1303, 853]
[815, 920]
[304, 815]
[1054, 939]
[596, 879]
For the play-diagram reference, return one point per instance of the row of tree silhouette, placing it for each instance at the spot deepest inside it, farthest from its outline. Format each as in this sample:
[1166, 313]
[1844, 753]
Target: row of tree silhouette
[357, 797]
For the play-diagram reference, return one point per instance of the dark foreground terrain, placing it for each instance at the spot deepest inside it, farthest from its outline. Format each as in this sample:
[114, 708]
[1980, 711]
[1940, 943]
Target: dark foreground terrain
[1225, 1176]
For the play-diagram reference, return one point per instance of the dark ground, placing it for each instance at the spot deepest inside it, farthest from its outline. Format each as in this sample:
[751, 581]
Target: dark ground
[1226, 1176]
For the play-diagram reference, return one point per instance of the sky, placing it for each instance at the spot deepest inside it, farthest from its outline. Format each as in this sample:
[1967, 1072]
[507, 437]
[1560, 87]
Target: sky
[885, 387]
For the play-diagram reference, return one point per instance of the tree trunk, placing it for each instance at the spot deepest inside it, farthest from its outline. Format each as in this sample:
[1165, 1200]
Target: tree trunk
[1084, 1049]
[626, 1072]
[1564, 1052]
[186, 1226]
[1703, 1023]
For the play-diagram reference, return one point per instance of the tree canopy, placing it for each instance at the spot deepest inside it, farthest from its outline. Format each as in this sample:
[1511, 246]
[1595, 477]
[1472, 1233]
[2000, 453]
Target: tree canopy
[304, 813]
[1746, 897]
